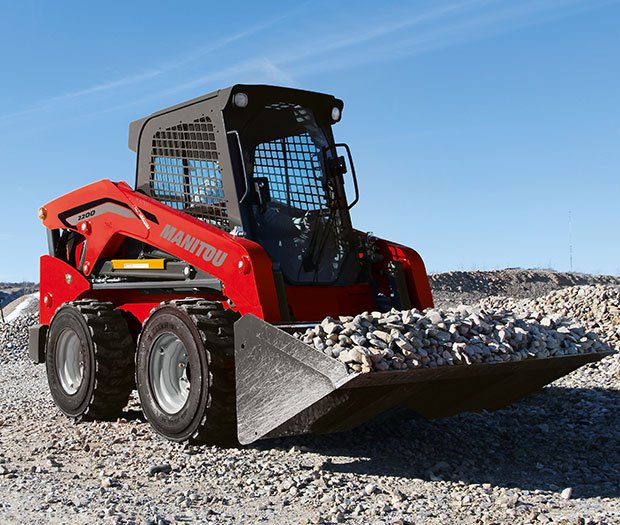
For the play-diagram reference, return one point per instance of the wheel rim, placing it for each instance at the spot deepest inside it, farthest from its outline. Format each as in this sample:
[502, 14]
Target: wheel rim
[69, 362]
[169, 372]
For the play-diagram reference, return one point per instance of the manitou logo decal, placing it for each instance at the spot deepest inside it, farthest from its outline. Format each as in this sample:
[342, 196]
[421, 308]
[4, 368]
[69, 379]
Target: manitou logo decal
[194, 245]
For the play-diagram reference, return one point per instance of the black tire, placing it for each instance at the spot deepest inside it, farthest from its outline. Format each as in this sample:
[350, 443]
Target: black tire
[99, 335]
[207, 415]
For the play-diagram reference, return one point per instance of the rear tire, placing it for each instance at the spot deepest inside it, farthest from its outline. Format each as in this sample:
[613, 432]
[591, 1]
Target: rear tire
[89, 360]
[185, 372]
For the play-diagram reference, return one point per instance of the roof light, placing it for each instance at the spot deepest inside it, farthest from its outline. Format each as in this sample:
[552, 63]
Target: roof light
[240, 100]
[336, 114]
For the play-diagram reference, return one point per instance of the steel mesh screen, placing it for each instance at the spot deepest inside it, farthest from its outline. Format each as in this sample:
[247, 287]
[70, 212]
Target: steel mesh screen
[304, 227]
[185, 172]
[293, 167]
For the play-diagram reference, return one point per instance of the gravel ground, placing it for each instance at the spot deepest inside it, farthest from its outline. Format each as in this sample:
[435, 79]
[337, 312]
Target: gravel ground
[551, 458]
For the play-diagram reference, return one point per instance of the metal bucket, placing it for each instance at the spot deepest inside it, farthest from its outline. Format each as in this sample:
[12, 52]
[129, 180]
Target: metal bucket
[286, 387]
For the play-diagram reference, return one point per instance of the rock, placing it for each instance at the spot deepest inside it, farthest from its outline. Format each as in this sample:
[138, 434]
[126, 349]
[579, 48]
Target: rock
[404, 345]
[508, 500]
[381, 335]
[434, 316]
[359, 340]
[567, 493]
[370, 488]
[108, 482]
[164, 468]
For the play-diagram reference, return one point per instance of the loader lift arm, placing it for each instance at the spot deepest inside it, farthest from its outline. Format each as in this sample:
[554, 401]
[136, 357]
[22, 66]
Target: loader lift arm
[241, 265]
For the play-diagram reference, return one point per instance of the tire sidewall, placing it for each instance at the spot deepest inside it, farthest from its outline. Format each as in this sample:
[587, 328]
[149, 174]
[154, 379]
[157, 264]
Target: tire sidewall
[181, 425]
[70, 318]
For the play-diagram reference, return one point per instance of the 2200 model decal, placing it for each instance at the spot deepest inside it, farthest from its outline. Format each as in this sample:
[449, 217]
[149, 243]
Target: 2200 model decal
[107, 207]
[86, 215]
[194, 245]
[98, 207]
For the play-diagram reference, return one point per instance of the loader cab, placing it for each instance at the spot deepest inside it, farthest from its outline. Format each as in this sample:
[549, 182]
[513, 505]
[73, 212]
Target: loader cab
[258, 161]
[294, 202]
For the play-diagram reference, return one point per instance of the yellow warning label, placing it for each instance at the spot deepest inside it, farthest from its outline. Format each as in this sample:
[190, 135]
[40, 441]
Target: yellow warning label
[137, 264]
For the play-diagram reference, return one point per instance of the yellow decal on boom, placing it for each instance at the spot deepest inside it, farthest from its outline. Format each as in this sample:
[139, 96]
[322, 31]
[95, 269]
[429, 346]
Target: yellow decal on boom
[137, 264]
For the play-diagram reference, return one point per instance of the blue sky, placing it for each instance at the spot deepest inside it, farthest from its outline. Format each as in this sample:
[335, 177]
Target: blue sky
[476, 125]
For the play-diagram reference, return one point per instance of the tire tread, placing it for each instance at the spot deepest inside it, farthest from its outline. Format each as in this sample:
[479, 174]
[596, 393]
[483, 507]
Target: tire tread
[114, 359]
[215, 325]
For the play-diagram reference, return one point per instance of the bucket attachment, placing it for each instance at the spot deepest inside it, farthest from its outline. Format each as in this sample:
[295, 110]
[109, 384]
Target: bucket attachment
[286, 387]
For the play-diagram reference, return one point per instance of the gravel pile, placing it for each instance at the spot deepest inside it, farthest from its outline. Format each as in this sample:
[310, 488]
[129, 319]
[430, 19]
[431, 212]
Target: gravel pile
[454, 288]
[14, 337]
[596, 307]
[401, 340]
[551, 458]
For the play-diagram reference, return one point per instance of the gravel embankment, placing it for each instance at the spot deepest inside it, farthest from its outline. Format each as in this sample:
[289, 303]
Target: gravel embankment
[551, 458]
[454, 288]
[11, 291]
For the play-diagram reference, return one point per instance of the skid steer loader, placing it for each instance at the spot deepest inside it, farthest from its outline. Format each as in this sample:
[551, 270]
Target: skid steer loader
[189, 286]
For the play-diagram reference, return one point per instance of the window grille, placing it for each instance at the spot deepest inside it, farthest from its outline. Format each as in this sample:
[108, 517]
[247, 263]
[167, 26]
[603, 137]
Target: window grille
[313, 245]
[292, 165]
[185, 172]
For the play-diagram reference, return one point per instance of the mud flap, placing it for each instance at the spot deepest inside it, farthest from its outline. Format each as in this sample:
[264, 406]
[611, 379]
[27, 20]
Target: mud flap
[286, 387]
[37, 335]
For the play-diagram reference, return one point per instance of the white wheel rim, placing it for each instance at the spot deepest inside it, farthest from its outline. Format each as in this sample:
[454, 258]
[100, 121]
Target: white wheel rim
[169, 373]
[69, 362]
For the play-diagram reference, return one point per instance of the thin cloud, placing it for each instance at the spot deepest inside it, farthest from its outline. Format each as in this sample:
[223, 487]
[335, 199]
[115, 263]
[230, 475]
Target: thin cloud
[263, 68]
[169, 66]
[275, 74]
[276, 70]
[161, 70]
[273, 68]
[358, 36]
[473, 23]
[485, 25]
[422, 32]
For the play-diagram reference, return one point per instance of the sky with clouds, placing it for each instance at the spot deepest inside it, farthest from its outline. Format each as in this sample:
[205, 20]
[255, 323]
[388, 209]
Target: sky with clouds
[477, 126]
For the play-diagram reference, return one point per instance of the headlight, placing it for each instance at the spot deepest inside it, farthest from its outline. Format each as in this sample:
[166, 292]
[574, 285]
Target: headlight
[336, 114]
[240, 100]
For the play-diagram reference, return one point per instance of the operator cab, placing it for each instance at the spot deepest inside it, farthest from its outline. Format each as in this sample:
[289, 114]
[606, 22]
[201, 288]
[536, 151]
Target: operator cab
[296, 207]
[259, 161]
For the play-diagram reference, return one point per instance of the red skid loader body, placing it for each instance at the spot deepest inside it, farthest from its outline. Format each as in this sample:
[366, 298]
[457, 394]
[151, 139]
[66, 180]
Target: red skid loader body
[106, 213]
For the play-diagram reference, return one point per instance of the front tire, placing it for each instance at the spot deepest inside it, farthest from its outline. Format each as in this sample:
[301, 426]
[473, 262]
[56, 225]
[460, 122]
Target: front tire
[185, 372]
[89, 360]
